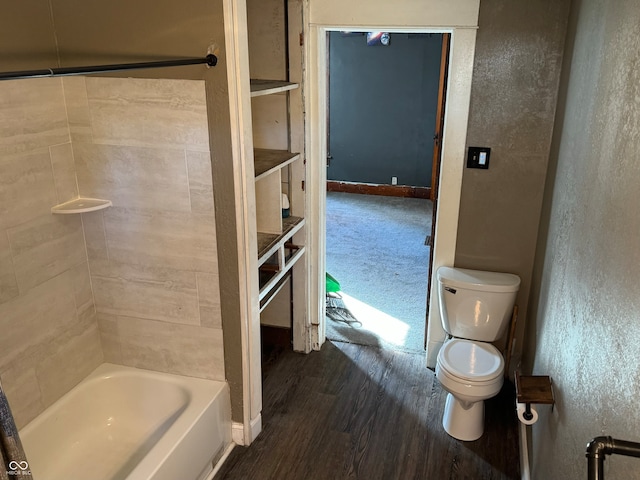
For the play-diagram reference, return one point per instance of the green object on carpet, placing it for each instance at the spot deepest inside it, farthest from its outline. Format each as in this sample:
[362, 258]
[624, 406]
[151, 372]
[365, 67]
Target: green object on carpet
[332, 284]
[335, 308]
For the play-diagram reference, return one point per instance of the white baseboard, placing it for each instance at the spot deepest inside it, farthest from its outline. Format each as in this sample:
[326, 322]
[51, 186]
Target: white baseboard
[256, 427]
[238, 434]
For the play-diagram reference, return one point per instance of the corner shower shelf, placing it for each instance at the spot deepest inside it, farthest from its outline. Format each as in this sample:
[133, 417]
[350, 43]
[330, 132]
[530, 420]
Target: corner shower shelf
[269, 87]
[80, 205]
[268, 161]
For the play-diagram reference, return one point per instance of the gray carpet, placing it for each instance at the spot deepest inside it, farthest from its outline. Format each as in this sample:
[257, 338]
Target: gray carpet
[376, 250]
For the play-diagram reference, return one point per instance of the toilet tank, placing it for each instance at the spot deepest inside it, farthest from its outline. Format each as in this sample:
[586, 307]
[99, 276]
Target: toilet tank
[474, 304]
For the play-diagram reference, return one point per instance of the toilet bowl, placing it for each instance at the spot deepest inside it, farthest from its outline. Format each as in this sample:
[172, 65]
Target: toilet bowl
[475, 308]
[471, 372]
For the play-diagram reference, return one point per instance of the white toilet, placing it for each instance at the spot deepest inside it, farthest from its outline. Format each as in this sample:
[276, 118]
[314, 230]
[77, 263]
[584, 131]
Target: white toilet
[475, 308]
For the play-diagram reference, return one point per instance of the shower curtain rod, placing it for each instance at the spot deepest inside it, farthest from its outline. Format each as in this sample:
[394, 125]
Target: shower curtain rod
[211, 60]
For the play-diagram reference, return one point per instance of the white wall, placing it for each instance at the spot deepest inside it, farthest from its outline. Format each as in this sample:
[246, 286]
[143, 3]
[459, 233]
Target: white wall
[404, 13]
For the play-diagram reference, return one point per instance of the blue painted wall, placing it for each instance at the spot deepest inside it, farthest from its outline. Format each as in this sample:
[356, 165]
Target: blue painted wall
[382, 105]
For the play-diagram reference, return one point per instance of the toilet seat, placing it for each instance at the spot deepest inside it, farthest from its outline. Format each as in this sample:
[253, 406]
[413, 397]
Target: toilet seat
[473, 362]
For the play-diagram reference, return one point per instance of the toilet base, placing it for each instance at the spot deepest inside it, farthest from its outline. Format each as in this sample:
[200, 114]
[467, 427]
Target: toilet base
[462, 423]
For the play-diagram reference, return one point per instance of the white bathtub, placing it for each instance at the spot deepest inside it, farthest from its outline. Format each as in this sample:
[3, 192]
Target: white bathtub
[126, 423]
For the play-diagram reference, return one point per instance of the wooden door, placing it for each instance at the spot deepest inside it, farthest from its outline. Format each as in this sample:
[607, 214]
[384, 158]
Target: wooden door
[435, 171]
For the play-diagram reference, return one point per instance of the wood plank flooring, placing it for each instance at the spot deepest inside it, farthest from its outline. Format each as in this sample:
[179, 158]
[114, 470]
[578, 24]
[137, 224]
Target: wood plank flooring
[359, 412]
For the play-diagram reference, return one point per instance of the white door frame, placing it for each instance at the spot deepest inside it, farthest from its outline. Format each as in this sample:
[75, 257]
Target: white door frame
[237, 58]
[461, 56]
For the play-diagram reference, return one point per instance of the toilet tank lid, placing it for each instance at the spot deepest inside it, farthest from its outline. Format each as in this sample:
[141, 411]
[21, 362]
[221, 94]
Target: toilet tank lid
[478, 279]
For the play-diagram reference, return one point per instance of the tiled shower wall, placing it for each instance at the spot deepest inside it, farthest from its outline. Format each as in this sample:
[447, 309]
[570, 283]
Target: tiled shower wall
[49, 338]
[144, 145]
[152, 257]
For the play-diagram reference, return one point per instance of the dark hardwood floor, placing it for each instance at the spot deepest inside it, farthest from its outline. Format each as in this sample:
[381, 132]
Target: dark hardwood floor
[358, 412]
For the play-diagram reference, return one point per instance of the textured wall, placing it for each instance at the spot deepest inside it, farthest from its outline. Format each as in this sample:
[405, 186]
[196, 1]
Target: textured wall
[143, 144]
[49, 338]
[587, 304]
[38, 34]
[513, 98]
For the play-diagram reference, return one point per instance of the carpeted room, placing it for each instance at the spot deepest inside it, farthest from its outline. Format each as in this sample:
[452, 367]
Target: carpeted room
[381, 141]
[376, 250]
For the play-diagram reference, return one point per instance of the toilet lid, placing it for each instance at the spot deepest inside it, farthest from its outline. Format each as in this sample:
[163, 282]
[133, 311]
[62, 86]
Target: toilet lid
[473, 361]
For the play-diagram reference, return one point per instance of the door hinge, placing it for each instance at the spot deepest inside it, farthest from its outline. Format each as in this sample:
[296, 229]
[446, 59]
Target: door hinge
[303, 185]
[301, 39]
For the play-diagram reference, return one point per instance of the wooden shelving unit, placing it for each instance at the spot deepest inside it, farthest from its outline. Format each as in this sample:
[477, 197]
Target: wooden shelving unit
[276, 253]
[277, 112]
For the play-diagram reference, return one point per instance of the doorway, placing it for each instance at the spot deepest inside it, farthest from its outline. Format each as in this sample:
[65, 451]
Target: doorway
[454, 132]
[384, 118]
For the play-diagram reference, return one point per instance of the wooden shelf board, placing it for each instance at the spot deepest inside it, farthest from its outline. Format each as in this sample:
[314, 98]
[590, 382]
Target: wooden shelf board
[269, 87]
[268, 243]
[267, 161]
[534, 389]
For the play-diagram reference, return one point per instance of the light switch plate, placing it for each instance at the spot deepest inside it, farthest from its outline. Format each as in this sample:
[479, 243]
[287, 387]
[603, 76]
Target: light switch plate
[478, 157]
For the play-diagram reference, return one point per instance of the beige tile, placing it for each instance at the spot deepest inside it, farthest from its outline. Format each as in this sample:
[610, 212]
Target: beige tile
[64, 172]
[75, 92]
[8, 282]
[82, 287]
[46, 247]
[35, 319]
[20, 384]
[158, 293]
[210, 317]
[175, 240]
[96, 242]
[200, 182]
[27, 189]
[209, 300]
[144, 112]
[134, 177]
[32, 115]
[49, 368]
[87, 313]
[72, 359]
[180, 349]
[109, 337]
